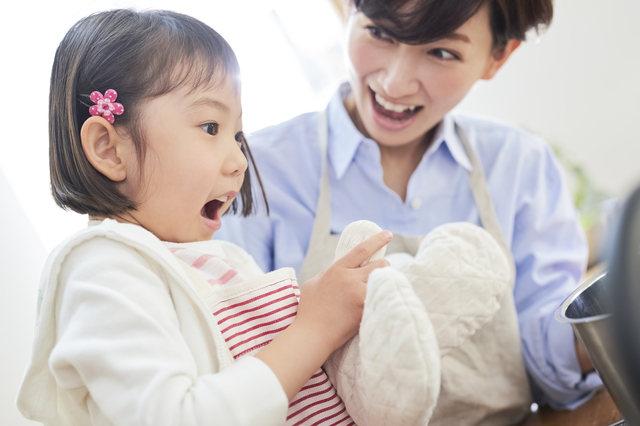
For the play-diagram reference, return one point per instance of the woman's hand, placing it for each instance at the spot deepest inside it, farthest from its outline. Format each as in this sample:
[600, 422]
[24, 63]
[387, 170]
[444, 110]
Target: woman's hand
[331, 303]
[329, 314]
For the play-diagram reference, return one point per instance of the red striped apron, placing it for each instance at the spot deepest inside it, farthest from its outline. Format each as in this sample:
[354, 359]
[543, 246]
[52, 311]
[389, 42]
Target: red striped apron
[250, 313]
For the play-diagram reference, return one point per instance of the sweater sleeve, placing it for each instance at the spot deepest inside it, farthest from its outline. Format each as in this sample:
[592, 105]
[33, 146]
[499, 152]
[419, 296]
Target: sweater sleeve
[120, 350]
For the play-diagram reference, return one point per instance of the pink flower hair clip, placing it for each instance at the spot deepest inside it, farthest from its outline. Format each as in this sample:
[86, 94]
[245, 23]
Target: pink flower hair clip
[106, 105]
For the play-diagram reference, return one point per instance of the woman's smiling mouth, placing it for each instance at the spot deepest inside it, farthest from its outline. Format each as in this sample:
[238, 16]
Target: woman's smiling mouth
[392, 117]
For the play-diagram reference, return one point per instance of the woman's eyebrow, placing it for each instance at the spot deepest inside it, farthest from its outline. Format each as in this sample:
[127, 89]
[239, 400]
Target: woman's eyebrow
[457, 36]
[209, 102]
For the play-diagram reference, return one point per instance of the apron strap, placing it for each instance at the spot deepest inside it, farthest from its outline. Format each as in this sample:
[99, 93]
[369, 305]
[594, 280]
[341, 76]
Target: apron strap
[486, 210]
[322, 223]
[316, 257]
[323, 211]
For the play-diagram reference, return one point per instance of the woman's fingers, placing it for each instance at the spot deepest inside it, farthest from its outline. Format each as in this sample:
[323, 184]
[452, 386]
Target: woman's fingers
[365, 250]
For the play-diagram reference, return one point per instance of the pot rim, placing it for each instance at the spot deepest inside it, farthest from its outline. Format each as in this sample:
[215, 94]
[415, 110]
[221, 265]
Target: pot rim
[561, 312]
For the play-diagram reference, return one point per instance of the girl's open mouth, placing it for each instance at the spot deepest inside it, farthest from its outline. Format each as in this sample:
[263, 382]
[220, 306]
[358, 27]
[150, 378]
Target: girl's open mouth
[211, 212]
[211, 209]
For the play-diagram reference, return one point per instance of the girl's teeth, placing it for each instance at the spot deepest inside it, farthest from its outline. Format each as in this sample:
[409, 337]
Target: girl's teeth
[393, 107]
[224, 198]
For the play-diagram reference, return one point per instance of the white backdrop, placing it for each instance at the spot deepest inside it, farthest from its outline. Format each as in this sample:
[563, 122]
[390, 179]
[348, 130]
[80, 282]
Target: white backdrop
[579, 87]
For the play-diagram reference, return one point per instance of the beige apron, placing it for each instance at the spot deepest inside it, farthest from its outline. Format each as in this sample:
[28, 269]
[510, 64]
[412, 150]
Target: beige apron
[484, 380]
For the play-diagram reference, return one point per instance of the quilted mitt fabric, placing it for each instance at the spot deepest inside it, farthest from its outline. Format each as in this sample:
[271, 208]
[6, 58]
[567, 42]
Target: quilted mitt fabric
[459, 273]
[416, 312]
[389, 374]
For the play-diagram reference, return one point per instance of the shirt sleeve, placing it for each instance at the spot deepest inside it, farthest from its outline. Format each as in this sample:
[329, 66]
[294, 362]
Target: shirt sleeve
[120, 348]
[287, 159]
[550, 253]
[253, 234]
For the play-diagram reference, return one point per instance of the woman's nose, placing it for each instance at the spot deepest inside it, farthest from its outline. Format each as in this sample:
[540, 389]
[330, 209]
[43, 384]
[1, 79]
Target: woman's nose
[236, 163]
[399, 76]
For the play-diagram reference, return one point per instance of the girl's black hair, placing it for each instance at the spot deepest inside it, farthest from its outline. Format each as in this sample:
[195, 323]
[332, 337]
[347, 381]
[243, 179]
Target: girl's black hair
[142, 55]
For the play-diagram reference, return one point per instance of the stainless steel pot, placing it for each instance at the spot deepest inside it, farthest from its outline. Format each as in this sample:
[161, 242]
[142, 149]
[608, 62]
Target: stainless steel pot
[588, 310]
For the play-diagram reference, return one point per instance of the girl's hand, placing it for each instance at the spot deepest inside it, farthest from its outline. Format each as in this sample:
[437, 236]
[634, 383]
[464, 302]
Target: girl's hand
[331, 303]
[329, 314]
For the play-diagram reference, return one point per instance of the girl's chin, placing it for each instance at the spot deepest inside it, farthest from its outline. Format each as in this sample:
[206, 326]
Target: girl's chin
[212, 225]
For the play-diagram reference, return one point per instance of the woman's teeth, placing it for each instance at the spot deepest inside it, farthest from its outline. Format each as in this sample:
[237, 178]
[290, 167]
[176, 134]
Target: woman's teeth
[223, 199]
[393, 107]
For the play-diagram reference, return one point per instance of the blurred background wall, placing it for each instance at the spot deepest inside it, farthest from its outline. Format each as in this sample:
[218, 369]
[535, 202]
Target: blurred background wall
[577, 85]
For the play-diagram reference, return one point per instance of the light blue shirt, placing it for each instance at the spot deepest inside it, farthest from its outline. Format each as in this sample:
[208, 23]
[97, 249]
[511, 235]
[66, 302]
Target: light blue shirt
[526, 185]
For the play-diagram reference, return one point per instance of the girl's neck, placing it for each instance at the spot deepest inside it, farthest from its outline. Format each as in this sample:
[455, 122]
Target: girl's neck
[398, 162]
[125, 218]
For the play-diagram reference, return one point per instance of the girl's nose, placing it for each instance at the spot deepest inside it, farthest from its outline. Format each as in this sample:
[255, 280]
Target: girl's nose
[399, 77]
[236, 163]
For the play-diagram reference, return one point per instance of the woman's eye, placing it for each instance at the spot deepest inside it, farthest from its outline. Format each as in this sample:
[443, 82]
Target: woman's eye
[211, 128]
[443, 54]
[378, 33]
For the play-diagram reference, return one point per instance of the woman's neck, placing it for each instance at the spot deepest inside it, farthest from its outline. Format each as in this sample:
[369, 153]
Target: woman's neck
[398, 162]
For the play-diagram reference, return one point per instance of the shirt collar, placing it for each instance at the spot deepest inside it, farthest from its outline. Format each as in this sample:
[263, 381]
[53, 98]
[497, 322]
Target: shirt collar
[446, 134]
[345, 138]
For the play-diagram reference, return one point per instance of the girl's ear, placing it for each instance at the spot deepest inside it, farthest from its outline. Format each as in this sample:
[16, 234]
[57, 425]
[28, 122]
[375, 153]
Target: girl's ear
[107, 151]
[499, 57]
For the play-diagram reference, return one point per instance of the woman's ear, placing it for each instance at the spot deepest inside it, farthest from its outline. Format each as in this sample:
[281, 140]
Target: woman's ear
[499, 57]
[105, 149]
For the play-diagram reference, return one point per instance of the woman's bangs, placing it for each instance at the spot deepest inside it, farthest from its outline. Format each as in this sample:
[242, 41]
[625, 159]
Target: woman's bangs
[418, 21]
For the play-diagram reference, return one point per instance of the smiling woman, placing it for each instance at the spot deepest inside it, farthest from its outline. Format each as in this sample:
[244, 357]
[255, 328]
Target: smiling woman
[424, 82]
[389, 149]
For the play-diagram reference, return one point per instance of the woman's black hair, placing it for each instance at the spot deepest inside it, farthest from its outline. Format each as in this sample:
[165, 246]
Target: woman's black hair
[141, 55]
[425, 21]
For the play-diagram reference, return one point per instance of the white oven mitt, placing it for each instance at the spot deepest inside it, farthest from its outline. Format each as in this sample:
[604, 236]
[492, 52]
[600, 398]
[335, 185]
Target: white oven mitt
[459, 273]
[390, 373]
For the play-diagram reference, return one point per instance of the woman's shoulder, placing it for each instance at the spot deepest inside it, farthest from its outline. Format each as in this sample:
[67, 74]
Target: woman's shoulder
[491, 136]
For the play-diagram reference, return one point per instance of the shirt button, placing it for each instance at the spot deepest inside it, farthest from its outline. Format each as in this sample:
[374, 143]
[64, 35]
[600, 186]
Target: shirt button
[416, 203]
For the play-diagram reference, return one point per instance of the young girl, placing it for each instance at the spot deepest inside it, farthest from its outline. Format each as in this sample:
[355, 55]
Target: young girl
[146, 138]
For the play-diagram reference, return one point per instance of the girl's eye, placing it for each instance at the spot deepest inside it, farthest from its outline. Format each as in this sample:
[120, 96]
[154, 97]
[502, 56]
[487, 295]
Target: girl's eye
[378, 33]
[443, 54]
[211, 128]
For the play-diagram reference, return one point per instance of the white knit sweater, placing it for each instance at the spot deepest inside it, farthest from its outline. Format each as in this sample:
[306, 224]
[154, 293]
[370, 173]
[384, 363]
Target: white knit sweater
[122, 338]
